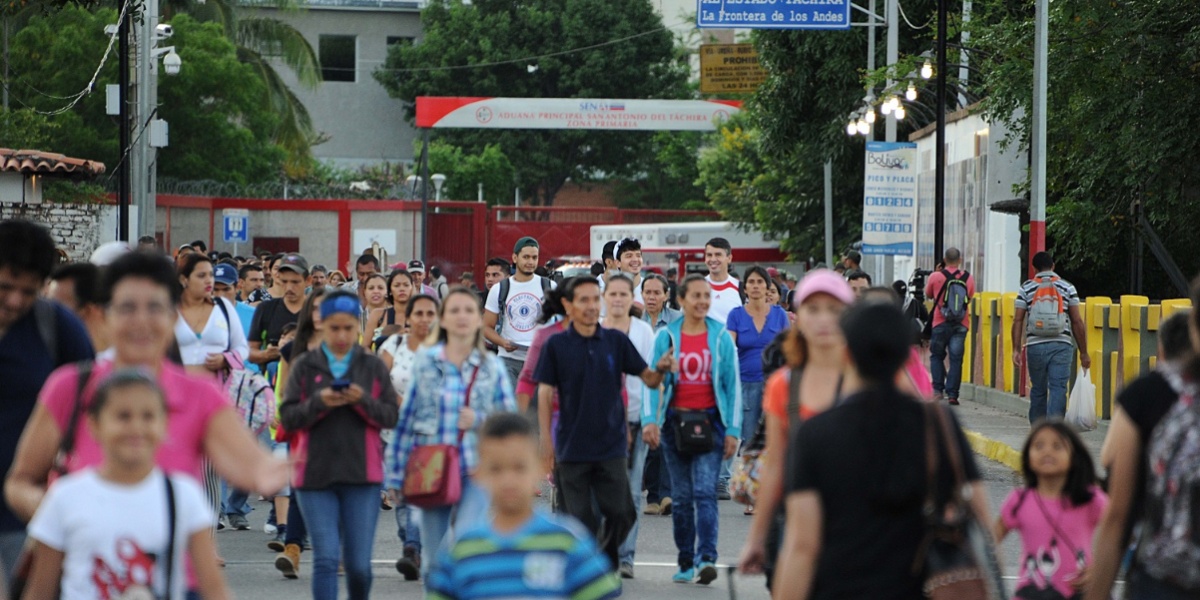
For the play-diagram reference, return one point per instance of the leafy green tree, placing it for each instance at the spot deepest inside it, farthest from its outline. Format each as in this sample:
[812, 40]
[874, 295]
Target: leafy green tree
[489, 31]
[464, 172]
[221, 128]
[670, 179]
[1122, 100]
[24, 129]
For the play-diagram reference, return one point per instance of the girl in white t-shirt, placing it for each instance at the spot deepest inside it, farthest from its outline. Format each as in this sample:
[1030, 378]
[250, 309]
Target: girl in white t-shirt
[117, 544]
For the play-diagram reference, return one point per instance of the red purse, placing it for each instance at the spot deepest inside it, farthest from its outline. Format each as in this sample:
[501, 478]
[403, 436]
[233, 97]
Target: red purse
[433, 475]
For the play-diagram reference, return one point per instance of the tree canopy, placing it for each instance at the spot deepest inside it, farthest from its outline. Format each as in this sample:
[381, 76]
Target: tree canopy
[220, 126]
[495, 31]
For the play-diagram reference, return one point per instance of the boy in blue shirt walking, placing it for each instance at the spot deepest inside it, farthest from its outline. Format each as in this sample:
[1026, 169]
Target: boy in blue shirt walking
[521, 553]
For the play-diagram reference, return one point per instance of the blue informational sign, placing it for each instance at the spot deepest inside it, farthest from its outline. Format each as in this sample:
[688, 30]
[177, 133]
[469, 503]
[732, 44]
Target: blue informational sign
[237, 227]
[773, 14]
[890, 198]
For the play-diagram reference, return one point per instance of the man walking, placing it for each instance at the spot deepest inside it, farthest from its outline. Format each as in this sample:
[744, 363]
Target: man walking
[516, 304]
[951, 289]
[416, 268]
[726, 291]
[36, 337]
[1048, 314]
[586, 364]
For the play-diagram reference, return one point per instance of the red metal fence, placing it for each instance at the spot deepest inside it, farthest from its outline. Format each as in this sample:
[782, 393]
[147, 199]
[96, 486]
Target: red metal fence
[462, 235]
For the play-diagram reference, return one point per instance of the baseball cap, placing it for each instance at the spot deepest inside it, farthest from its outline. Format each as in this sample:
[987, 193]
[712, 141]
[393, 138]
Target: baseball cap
[773, 272]
[416, 265]
[524, 243]
[105, 254]
[225, 274]
[294, 262]
[823, 281]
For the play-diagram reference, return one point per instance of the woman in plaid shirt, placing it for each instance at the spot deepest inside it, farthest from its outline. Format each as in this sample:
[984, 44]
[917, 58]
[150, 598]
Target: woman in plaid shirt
[436, 412]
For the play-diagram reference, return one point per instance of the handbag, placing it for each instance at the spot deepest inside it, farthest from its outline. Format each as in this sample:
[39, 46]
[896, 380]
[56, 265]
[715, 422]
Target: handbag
[957, 557]
[744, 483]
[693, 432]
[433, 475]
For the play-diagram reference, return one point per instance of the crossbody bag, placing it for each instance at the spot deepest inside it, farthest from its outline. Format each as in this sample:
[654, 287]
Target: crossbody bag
[433, 475]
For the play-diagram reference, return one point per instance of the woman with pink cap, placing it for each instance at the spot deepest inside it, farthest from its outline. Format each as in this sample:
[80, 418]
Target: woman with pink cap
[810, 384]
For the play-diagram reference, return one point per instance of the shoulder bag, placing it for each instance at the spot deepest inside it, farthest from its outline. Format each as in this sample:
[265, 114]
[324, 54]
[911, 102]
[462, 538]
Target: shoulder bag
[956, 560]
[744, 483]
[433, 475]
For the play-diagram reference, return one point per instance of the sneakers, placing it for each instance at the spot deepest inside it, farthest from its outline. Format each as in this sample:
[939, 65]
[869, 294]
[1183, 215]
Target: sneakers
[953, 402]
[221, 523]
[723, 490]
[626, 570]
[938, 397]
[684, 576]
[409, 565]
[270, 529]
[652, 508]
[288, 561]
[279, 542]
[707, 573]
[239, 522]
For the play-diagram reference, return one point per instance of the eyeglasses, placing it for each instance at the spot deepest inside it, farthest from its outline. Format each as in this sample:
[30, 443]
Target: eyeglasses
[128, 309]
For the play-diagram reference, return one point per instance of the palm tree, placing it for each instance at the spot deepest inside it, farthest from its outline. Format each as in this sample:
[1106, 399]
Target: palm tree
[260, 41]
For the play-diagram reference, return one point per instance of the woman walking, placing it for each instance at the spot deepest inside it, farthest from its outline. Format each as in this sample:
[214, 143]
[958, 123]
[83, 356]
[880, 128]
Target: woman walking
[374, 297]
[704, 396]
[456, 384]
[392, 320]
[752, 327]
[815, 351]
[336, 402]
[399, 353]
[857, 478]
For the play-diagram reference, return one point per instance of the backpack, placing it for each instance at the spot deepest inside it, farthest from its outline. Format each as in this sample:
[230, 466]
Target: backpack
[503, 298]
[1047, 317]
[1170, 547]
[253, 398]
[954, 299]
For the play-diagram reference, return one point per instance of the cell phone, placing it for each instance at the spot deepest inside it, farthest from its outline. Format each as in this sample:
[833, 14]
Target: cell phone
[340, 385]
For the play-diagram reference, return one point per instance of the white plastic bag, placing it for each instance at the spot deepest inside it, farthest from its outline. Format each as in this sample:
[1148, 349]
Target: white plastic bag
[1081, 406]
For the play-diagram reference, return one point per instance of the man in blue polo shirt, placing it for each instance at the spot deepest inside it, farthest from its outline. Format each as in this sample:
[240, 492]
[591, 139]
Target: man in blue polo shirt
[586, 364]
[36, 337]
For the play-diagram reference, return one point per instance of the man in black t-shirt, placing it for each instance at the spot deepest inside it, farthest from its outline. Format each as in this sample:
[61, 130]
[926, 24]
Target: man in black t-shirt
[272, 315]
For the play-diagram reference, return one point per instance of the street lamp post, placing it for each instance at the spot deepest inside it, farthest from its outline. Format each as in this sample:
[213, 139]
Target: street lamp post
[939, 189]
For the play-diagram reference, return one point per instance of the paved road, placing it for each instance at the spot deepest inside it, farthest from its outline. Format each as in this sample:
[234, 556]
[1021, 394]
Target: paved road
[251, 572]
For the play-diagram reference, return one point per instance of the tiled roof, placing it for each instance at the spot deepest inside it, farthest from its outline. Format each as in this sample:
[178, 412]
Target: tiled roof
[36, 162]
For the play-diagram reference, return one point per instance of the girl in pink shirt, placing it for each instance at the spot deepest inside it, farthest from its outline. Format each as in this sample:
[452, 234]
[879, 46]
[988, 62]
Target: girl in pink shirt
[1056, 513]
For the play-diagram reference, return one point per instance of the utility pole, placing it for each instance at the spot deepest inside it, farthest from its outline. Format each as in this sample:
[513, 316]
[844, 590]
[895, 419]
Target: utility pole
[939, 194]
[123, 191]
[1037, 196]
[893, 56]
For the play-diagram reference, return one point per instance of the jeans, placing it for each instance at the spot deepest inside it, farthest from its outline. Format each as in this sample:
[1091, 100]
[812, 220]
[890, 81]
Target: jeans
[752, 398]
[598, 494]
[11, 544]
[343, 521]
[471, 510]
[296, 529]
[236, 501]
[636, 470]
[951, 337]
[657, 478]
[408, 527]
[1049, 369]
[514, 366]
[694, 509]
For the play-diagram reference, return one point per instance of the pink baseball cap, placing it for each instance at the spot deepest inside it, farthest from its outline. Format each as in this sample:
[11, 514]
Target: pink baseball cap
[823, 281]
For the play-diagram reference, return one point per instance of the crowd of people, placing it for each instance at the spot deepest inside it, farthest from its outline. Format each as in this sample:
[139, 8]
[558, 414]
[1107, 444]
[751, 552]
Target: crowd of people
[150, 397]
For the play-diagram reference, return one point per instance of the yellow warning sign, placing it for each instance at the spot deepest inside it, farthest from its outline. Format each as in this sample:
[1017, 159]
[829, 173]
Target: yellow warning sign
[730, 69]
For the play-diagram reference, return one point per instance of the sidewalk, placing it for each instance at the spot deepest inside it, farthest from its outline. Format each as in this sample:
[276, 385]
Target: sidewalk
[997, 426]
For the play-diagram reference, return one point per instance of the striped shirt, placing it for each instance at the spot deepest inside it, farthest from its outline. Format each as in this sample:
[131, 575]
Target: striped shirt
[547, 558]
[1070, 298]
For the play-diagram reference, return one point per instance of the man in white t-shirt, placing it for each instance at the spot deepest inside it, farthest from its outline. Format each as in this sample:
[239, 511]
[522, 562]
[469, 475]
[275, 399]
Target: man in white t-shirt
[628, 256]
[516, 304]
[726, 291]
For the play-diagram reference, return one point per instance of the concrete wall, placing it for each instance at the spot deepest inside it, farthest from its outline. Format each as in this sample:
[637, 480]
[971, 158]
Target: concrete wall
[402, 244]
[364, 124]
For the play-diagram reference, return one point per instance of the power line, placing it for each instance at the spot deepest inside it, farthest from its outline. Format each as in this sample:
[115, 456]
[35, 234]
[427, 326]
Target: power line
[534, 58]
[910, 23]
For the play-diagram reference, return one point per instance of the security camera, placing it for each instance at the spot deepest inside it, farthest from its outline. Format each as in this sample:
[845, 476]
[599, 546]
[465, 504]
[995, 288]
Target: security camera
[164, 31]
[172, 63]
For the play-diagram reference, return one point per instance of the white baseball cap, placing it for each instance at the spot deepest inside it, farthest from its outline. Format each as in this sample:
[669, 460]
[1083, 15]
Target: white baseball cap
[107, 253]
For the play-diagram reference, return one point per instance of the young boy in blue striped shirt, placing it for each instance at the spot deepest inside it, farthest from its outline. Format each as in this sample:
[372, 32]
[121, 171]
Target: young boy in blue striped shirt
[521, 553]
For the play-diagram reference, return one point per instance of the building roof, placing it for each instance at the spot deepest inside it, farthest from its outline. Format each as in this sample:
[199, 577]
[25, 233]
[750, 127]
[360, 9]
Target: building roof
[36, 162]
